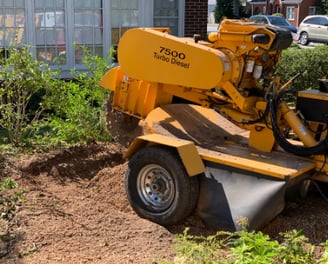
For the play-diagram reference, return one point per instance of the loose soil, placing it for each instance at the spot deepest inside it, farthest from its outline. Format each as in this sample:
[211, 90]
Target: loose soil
[75, 211]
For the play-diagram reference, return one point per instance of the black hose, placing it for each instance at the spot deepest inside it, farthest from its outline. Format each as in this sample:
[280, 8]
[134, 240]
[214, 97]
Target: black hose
[320, 148]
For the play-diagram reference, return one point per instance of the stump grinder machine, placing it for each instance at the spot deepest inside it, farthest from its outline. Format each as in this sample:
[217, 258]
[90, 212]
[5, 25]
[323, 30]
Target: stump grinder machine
[221, 135]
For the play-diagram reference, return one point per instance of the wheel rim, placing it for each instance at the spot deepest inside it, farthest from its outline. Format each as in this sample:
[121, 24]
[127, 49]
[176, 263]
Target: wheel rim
[156, 187]
[303, 38]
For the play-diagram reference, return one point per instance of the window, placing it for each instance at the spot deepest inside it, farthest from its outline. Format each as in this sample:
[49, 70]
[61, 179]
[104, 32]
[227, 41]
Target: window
[290, 13]
[88, 28]
[166, 14]
[323, 21]
[12, 24]
[125, 15]
[313, 20]
[49, 19]
[59, 31]
[312, 10]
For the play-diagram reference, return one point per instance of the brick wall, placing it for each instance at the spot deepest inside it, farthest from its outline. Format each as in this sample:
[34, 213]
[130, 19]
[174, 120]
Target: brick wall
[301, 11]
[196, 18]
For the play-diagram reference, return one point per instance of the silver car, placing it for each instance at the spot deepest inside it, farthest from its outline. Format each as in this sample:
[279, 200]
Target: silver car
[313, 29]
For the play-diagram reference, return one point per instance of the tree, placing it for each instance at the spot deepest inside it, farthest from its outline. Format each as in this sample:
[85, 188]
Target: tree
[323, 7]
[223, 8]
[228, 9]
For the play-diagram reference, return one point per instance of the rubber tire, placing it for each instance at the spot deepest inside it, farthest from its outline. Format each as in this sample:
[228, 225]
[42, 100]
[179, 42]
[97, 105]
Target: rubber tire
[304, 39]
[184, 188]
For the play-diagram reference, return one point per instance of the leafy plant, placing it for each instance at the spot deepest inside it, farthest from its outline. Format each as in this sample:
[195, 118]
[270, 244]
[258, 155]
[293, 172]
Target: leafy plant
[253, 247]
[76, 107]
[296, 249]
[23, 79]
[200, 249]
[9, 197]
[244, 247]
[311, 63]
[324, 256]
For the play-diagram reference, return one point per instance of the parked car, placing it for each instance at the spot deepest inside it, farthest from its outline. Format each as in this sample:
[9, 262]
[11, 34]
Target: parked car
[313, 29]
[274, 20]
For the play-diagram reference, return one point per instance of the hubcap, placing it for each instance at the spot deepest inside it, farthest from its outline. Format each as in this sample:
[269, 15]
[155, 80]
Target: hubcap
[303, 38]
[156, 187]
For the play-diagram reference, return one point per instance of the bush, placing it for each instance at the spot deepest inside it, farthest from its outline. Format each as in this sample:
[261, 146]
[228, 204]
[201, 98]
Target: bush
[311, 63]
[245, 247]
[76, 115]
[10, 196]
[40, 110]
[76, 107]
[23, 79]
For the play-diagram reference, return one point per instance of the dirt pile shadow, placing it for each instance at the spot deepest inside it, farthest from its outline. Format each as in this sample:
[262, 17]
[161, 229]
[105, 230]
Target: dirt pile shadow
[75, 163]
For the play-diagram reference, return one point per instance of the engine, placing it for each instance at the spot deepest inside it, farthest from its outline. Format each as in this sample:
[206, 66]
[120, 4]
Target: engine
[232, 72]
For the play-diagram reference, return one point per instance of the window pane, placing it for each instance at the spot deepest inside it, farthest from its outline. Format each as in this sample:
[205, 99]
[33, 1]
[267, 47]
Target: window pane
[115, 4]
[88, 28]
[20, 3]
[129, 4]
[166, 14]
[125, 15]
[49, 19]
[87, 4]
[51, 55]
[50, 36]
[12, 24]
[87, 18]
[88, 36]
[92, 49]
[6, 3]
[49, 4]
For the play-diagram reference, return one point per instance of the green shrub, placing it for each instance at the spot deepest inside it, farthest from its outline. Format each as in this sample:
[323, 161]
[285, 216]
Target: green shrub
[253, 247]
[9, 197]
[77, 107]
[296, 249]
[76, 115]
[23, 79]
[311, 63]
[198, 250]
[243, 247]
[40, 110]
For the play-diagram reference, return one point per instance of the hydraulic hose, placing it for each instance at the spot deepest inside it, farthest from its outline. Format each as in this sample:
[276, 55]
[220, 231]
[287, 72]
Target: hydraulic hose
[320, 148]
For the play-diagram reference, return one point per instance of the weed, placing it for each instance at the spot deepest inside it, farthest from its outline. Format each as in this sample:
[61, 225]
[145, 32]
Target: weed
[9, 198]
[243, 247]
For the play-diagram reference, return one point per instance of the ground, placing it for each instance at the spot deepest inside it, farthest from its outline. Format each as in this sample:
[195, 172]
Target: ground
[75, 211]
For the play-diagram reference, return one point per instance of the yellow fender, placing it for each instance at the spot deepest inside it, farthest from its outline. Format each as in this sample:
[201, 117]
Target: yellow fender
[186, 150]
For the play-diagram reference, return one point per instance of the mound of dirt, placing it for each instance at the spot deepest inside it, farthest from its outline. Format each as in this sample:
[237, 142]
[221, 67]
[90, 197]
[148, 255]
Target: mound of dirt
[75, 211]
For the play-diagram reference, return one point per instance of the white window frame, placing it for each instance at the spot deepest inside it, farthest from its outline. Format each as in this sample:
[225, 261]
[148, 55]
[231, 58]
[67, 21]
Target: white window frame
[146, 19]
[312, 10]
[146, 9]
[290, 13]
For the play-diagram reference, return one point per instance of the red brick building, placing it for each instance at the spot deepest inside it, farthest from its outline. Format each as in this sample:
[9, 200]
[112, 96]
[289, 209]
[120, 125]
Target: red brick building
[196, 18]
[293, 10]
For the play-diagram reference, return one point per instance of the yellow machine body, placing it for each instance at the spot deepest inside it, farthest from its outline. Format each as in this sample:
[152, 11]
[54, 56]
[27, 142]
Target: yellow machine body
[171, 60]
[226, 74]
[219, 104]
